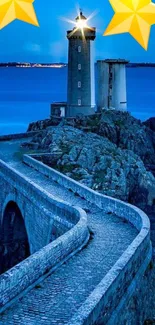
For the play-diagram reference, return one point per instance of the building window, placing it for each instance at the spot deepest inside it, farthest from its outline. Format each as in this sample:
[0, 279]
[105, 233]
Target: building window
[79, 102]
[79, 49]
[79, 66]
[62, 111]
[79, 84]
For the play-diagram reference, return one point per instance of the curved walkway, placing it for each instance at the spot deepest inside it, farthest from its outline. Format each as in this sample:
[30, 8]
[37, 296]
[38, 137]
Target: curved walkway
[61, 294]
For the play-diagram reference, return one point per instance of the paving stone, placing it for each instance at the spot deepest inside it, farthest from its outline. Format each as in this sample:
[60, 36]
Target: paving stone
[63, 292]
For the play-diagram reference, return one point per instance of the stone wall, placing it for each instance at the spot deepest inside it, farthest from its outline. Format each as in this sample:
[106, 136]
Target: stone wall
[38, 220]
[141, 305]
[20, 277]
[41, 211]
[46, 211]
[116, 290]
[17, 136]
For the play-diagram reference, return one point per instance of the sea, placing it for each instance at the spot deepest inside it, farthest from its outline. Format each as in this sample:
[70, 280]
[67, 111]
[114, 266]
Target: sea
[26, 94]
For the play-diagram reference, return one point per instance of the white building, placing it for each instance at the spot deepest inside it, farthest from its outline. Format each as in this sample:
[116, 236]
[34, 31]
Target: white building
[111, 84]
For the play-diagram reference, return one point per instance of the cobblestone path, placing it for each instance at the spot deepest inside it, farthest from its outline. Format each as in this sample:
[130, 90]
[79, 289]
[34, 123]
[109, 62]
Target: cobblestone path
[61, 294]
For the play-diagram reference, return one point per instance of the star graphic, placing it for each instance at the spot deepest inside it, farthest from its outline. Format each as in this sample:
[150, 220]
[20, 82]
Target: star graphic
[17, 9]
[132, 16]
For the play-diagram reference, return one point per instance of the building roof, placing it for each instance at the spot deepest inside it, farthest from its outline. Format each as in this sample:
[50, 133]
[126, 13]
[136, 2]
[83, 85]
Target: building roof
[114, 61]
[59, 103]
[80, 17]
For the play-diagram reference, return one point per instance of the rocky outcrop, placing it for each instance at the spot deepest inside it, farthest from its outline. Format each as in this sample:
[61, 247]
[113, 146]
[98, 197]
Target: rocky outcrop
[123, 130]
[150, 123]
[129, 133]
[97, 162]
[43, 124]
[119, 127]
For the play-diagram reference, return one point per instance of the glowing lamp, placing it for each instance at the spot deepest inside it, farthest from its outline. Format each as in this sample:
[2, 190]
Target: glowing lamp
[81, 21]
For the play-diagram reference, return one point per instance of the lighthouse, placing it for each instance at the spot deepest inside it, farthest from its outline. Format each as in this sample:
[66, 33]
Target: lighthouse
[79, 96]
[110, 78]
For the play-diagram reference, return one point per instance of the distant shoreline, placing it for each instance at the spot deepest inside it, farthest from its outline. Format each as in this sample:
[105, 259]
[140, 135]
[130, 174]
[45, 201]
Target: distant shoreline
[32, 65]
[141, 65]
[62, 65]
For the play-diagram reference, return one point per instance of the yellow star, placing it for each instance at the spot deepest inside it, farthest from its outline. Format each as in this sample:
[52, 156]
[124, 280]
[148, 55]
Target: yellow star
[134, 17]
[17, 9]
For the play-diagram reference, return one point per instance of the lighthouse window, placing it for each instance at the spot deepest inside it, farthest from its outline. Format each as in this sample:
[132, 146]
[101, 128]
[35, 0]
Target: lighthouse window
[79, 66]
[79, 49]
[79, 84]
[79, 102]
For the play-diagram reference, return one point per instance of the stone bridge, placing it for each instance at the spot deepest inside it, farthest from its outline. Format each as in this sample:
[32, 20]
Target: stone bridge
[68, 255]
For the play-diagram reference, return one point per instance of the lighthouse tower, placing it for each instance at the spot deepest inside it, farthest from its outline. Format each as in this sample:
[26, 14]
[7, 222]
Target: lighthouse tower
[79, 68]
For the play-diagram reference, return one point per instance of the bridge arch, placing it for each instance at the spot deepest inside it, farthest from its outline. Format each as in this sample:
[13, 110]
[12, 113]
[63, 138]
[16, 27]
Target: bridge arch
[13, 237]
[12, 196]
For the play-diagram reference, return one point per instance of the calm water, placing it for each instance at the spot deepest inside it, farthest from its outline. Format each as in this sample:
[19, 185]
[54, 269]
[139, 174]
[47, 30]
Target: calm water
[26, 94]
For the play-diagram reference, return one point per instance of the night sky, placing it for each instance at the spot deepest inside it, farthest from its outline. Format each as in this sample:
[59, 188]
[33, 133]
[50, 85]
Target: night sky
[22, 42]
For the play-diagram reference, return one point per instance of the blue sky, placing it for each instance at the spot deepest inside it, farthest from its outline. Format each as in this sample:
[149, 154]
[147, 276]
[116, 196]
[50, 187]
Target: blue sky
[23, 42]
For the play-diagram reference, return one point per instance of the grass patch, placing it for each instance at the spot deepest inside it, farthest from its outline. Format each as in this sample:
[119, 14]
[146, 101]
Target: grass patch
[99, 176]
[65, 148]
[38, 286]
[119, 123]
[94, 122]
[66, 168]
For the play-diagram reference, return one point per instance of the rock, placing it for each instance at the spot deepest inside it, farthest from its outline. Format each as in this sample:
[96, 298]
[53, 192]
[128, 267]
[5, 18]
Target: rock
[128, 133]
[149, 322]
[30, 145]
[43, 124]
[100, 164]
[150, 123]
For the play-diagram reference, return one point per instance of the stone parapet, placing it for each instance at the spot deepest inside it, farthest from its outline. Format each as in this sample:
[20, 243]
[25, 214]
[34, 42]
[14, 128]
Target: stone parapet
[17, 136]
[106, 302]
[24, 275]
